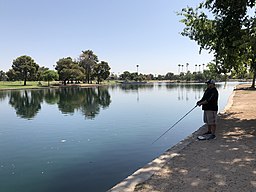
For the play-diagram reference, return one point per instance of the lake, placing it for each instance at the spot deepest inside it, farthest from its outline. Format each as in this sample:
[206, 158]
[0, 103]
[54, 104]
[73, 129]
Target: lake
[89, 139]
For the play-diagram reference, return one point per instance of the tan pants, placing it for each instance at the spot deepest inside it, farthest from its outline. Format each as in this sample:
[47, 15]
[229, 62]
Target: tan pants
[210, 117]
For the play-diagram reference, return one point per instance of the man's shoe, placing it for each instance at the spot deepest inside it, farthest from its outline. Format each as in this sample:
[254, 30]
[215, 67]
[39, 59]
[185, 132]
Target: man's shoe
[212, 136]
[207, 133]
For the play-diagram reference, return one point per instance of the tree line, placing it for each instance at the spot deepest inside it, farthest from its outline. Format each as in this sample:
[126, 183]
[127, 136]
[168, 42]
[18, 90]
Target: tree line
[86, 69]
[197, 76]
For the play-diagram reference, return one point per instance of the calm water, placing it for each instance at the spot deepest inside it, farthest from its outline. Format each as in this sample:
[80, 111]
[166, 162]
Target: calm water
[89, 139]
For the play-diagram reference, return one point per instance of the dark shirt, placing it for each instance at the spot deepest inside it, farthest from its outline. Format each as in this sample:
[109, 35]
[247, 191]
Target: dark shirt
[211, 96]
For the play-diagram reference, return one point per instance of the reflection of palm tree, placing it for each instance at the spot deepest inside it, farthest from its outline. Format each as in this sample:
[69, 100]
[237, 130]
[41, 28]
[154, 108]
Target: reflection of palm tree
[103, 97]
[178, 93]
[182, 93]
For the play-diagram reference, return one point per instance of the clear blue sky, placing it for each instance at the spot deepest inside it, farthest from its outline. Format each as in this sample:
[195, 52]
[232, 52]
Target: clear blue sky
[125, 33]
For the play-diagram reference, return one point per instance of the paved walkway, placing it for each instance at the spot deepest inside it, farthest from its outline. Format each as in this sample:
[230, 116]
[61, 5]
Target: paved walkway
[227, 163]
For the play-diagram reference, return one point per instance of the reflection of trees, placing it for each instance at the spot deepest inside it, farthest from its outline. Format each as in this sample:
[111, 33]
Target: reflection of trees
[26, 103]
[93, 100]
[87, 100]
[51, 96]
[104, 97]
[3, 95]
[135, 87]
[90, 106]
[186, 88]
[69, 100]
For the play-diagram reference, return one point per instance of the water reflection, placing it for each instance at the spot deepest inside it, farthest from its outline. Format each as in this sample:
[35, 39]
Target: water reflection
[185, 90]
[26, 103]
[135, 87]
[3, 95]
[88, 101]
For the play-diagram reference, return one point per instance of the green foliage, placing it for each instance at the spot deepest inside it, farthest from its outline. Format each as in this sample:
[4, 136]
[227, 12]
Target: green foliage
[50, 75]
[126, 75]
[85, 69]
[87, 60]
[69, 70]
[169, 76]
[3, 76]
[24, 68]
[227, 30]
[101, 71]
[40, 73]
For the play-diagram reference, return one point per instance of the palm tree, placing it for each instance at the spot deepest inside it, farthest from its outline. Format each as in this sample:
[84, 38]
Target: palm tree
[199, 67]
[182, 67]
[179, 68]
[87, 60]
[195, 67]
[187, 66]
[203, 67]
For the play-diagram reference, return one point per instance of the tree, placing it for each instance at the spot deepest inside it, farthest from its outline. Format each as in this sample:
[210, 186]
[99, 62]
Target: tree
[2, 76]
[11, 75]
[126, 76]
[169, 76]
[25, 68]
[40, 72]
[50, 75]
[69, 70]
[101, 71]
[62, 67]
[88, 60]
[223, 33]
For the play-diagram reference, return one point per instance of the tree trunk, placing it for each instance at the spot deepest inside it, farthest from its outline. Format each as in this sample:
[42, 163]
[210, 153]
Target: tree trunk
[253, 79]
[25, 81]
[254, 72]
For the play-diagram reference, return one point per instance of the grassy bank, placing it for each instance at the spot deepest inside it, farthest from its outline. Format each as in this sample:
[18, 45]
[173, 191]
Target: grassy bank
[19, 84]
[6, 85]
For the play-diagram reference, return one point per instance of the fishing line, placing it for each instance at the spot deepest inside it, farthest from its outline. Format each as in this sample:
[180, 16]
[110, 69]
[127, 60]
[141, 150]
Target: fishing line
[174, 124]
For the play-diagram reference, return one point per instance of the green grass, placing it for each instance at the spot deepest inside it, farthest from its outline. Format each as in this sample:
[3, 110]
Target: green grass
[20, 84]
[4, 85]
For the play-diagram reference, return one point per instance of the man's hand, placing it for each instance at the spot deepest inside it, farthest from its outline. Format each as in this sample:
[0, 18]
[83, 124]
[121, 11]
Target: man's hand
[198, 103]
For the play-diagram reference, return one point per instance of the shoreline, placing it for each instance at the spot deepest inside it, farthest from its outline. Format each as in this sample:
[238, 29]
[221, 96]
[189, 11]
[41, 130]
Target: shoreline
[54, 87]
[154, 175]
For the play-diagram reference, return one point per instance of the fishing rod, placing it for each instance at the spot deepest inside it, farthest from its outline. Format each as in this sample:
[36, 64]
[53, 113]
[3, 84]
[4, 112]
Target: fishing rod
[174, 124]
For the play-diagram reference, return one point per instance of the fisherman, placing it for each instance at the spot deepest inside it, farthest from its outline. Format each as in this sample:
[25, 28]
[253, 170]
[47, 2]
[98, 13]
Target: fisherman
[209, 103]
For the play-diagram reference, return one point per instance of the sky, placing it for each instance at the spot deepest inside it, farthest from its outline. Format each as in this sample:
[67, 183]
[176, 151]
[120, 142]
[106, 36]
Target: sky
[124, 33]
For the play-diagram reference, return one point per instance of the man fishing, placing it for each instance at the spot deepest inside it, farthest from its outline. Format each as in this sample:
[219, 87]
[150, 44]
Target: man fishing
[209, 103]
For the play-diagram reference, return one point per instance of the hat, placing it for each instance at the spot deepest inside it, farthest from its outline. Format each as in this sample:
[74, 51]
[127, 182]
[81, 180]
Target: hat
[211, 81]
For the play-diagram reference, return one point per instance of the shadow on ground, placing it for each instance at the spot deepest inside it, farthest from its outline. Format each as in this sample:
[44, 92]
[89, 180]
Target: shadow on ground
[225, 164]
